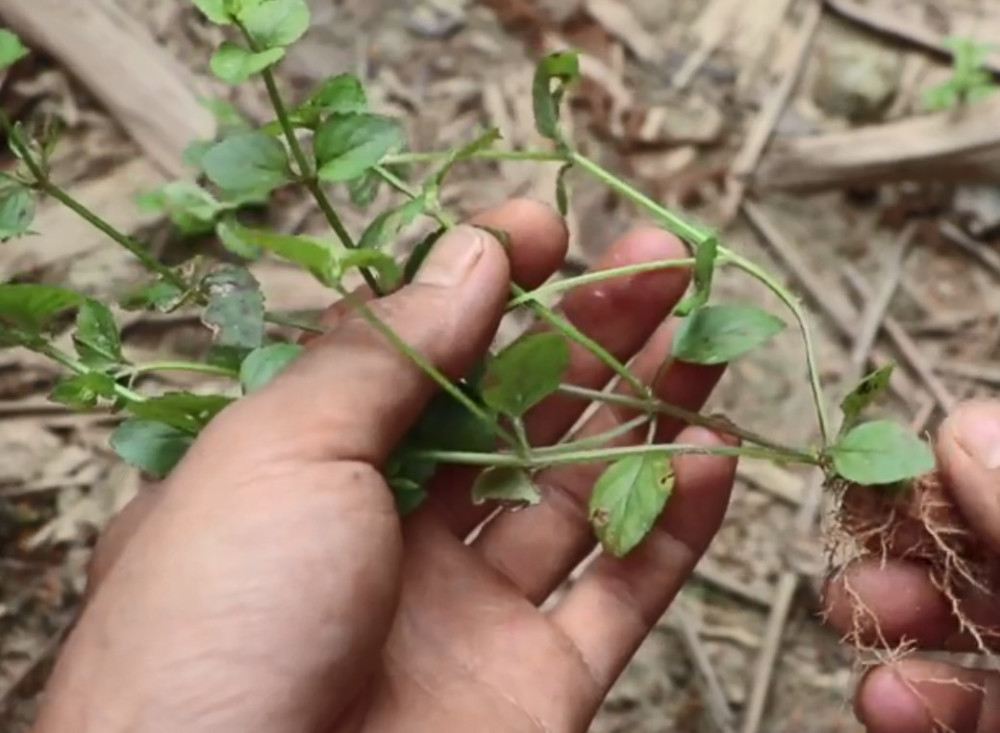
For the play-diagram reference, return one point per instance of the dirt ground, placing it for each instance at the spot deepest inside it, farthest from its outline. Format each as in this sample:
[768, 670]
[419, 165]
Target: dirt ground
[699, 90]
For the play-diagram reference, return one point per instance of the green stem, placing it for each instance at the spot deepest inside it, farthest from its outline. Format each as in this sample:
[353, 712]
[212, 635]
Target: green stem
[537, 155]
[547, 459]
[687, 416]
[78, 367]
[279, 320]
[179, 366]
[595, 441]
[697, 236]
[558, 286]
[433, 372]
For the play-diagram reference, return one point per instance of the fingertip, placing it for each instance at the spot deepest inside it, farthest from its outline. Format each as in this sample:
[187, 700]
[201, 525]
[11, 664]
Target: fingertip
[645, 243]
[539, 237]
[887, 703]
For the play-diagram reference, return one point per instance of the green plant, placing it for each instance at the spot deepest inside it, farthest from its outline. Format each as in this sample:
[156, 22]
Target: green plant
[333, 138]
[970, 81]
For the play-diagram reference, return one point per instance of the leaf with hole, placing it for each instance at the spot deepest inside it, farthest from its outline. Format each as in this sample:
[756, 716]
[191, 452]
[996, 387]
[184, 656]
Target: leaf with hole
[525, 373]
[704, 270]
[83, 391]
[506, 485]
[12, 49]
[235, 310]
[864, 394]
[150, 446]
[881, 452]
[276, 23]
[234, 64]
[717, 334]
[17, 211]
[265, 363]
[97, 339]
[319, 257]
[349, 144]
[28, 310]
[562, 68]
[628, 498]
[247, 162]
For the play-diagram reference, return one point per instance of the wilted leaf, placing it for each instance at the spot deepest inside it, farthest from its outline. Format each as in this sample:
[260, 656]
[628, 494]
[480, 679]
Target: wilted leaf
[276, 23]
[97, 339]
[867, 391]
[263, 364]
[525, 373]
[250, 161]
[17, 211]
[348, 145]
[563, 68]
[235, 309]
[11, 49]
[704, 269]
[881, 452]
[718, 334]
[150, 446]
[628, 498]
[234, 64]
[83, 391]
[319, 257]
[505, 484]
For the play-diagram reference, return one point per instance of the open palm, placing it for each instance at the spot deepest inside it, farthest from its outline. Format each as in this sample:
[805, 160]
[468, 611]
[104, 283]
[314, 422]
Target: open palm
[268, 584]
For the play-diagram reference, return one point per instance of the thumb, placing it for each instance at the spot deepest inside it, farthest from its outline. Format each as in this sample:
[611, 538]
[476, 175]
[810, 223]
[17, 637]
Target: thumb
[353, 394]
[969, 449]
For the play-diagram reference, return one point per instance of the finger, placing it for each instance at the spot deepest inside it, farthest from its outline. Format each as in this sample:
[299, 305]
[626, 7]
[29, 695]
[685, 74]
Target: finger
[620, 314]
[537, 547]
[615, 603]
[876, 603]
[969, 450]
[917, 696]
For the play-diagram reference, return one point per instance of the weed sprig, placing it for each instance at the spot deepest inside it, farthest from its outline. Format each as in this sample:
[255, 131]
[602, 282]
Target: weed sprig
[333, 138]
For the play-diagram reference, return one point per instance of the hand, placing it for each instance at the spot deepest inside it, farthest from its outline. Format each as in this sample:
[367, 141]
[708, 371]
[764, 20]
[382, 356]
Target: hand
[268, 585]
[913, 695]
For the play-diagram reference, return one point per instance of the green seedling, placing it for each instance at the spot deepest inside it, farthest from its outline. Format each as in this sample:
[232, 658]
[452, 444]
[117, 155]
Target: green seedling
[970, 81]
[334, 139]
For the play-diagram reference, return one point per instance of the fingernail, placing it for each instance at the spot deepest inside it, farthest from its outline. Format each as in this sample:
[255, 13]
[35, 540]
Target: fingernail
[452, 258]
[978, 434]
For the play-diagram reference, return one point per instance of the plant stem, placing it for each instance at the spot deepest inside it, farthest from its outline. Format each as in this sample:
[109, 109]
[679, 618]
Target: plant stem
[537, 155]
[697, 236]
[600, 439]
[432, 371]
[78, 367]
[179, 366]
[547, 459]
[559, 286]
[687, 416]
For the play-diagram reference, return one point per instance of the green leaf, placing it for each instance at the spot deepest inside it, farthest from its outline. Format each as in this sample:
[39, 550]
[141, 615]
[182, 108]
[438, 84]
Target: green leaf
[319, 257]
[11, 49]
[228, 232]
[83, 391]
[446, 424]
[215, 10]
[505, 484]
[881, 452]
[247, 162]
[343, 93]
[704, 269]
[419, 254]
[97, 339]
[628, 498]
[159, 295]
[183, 411]
[348, 145]
[364, 189]
[276, 23]
[563, 68]
[150, 446]
[31, 309]
[562, 195]
[719, 333]
[390, 223]
[390, 274]
[525, 373]
[867, 391]
[235, 310]
[406, 475]
[483, 141]
[264, 364]
[234, 64]
[17, 211]
[189, 207]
